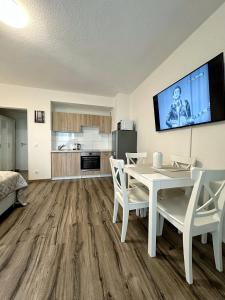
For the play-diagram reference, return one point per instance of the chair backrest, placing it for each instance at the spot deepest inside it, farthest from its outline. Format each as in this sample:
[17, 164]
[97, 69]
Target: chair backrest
[215, 201]
[136, 158]
[183, 161]
[119, 181]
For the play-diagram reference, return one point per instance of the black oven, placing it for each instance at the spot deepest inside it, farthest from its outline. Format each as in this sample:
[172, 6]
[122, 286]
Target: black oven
[90, 161]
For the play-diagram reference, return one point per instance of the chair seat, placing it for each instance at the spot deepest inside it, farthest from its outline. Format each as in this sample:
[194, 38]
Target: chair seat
[134, 182]
[137, 198]
[171, 192]
[138, 195]
[176, 207]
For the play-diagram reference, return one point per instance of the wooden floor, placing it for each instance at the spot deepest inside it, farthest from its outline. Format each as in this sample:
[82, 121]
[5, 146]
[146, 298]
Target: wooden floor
[64, 246]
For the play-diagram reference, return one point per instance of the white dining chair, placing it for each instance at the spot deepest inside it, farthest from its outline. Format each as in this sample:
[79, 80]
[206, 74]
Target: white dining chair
[193, 218]
[129, 198]
[183, 161]
[136, 159]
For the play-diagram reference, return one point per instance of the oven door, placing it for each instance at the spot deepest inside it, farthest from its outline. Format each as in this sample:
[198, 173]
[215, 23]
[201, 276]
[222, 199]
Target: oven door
[90, 162]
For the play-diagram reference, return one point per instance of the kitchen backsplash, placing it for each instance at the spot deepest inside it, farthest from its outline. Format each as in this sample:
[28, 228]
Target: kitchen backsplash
[89, 138]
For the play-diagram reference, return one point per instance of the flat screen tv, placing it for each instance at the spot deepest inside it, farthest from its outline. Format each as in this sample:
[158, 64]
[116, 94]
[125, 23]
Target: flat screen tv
[197, 98]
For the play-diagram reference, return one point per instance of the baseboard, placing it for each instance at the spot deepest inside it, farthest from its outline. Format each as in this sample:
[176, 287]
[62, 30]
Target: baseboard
[81, 177]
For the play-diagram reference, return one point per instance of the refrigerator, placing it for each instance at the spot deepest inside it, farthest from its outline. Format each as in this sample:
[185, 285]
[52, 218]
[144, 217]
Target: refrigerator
[123, 141]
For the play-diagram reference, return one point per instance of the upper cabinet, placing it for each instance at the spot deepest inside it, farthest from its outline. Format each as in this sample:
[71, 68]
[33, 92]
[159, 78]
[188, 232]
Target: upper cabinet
[72, 122]
[59, 122]
[105, 124]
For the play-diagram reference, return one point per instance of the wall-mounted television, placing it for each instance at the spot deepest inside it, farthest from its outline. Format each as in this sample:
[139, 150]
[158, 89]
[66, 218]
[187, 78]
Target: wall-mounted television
[197, 98]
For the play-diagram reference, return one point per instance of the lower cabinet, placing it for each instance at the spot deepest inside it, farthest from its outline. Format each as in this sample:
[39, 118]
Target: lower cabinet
[65, 164]
[105, 164]
[90, 173]
[68, 164]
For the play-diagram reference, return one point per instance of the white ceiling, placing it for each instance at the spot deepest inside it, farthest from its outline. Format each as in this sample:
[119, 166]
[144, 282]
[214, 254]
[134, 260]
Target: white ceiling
[96, 46]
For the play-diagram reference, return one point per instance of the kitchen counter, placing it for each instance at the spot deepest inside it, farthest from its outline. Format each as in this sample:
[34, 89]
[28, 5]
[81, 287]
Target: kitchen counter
[69, 163]
[82, 150]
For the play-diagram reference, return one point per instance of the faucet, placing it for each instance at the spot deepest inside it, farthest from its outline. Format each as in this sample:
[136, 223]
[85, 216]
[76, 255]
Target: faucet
[61, 146]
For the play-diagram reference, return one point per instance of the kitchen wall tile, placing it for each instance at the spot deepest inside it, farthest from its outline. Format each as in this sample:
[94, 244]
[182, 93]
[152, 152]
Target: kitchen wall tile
[89, 138]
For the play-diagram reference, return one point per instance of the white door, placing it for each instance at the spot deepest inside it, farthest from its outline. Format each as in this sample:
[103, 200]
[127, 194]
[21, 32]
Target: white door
[21, 144]
[7, 144]
[4, 143]
[11, 144]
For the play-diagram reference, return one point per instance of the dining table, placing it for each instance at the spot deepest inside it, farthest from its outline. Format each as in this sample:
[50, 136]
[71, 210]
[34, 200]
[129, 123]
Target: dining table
[155, 180]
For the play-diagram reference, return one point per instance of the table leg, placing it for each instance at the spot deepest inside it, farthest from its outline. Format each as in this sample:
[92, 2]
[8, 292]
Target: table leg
[152, 220]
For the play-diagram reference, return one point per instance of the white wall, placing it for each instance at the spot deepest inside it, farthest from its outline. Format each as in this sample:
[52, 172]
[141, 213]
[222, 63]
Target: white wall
[121, 110]
[208, 143]
[39, 135]
[82, 109]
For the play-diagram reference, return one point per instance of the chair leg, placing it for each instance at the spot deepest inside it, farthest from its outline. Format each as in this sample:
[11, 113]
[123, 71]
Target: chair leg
[160, 225]
[188, 191]
[125, 223]
[204, 238]
[187, 249]
[144, 212]
[115, 211]
[217, 249]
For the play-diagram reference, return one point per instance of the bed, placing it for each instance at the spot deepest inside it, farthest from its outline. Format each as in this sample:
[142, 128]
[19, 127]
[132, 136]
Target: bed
[11, 189]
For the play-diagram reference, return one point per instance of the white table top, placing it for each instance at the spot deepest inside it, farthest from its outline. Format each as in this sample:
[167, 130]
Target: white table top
[166, 177]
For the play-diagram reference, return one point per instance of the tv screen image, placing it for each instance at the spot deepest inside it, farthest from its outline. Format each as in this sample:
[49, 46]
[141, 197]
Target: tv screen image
[195, 99]
[186, 102]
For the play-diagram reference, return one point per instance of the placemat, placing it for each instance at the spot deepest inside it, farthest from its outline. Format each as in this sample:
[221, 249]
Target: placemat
[166, 170]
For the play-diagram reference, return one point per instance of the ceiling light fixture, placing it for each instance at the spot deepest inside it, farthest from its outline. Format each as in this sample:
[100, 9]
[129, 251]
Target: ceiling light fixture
[13, 14]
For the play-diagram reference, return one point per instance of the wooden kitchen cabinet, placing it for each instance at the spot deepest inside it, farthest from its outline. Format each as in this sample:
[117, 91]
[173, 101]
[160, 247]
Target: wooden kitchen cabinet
[95, 121]
[105, 125]
[90, 120]
[59, 121]
[68, 122]
[77, 122]
[105, 164]
[65, 164]
[72, 122]
[86, 120]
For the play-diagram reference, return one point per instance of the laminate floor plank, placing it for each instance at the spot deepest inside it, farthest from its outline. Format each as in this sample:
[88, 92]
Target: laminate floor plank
[63, 245]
